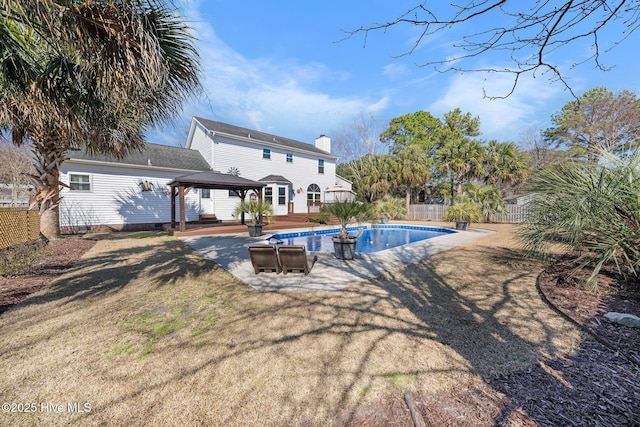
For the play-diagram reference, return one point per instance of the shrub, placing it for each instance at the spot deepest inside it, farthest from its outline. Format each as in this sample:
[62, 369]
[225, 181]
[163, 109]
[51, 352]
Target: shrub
[463, 211]
[592, 211]
[320, 219]
[21, 258]
[257, 209]
[488, 198]
[345, 211]
[390, 207]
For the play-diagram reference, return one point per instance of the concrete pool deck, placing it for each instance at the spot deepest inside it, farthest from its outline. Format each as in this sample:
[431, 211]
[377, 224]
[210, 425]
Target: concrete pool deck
[328, 274]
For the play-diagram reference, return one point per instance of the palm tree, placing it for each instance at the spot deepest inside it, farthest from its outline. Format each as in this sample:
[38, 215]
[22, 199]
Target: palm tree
[345, 211]
[459, 160]
[89, 75]
[411, 168]
[488, 198]
[370, 175]
[504, 164]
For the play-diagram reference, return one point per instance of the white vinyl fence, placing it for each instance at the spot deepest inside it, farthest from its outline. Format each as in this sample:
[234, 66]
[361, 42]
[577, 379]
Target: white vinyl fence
[515, 213]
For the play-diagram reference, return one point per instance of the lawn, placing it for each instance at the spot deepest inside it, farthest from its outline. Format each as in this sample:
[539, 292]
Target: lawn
[148, 332]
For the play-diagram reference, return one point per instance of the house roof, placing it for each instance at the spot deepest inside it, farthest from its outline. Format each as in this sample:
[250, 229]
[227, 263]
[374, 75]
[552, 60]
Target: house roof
[213, 126]
[216, 181]
[275, 178]
[152, 155]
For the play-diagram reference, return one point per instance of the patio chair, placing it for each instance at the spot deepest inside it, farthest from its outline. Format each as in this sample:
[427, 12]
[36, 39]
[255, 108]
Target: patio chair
[294, 258]
[264, 258]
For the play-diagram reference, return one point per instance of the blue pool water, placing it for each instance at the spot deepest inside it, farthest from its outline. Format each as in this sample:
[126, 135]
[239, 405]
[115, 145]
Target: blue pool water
[370, 238]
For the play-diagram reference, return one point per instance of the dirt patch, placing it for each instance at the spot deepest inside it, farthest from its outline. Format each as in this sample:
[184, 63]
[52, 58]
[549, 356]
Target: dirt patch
[58, 256]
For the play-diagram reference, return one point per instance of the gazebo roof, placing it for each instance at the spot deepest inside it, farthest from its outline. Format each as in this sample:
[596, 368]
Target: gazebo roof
[216, 181]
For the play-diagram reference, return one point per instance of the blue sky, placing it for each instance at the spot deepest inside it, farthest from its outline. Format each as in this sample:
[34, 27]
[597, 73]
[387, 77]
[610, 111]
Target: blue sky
[285, 68]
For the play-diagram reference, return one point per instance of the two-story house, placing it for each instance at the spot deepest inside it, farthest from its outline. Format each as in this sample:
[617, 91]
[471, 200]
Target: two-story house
[133, 192]
[297, 175]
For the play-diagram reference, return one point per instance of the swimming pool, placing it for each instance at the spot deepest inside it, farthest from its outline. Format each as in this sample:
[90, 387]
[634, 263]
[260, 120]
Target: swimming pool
[371, 238]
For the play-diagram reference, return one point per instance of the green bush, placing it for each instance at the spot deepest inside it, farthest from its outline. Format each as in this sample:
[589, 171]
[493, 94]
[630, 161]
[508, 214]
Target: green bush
[463, 211]
[488, 198]
[345, 211]
[320, 219]
[390, 207]
[20, 259]
[591, 211]
[257, 210]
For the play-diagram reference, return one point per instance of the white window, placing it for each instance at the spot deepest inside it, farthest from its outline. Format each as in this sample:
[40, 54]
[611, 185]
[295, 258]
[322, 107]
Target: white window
[320, 166]
[313, 194]
[266, 153]
[205, 193]
[289, 157]
[79, 182]
[268, 195]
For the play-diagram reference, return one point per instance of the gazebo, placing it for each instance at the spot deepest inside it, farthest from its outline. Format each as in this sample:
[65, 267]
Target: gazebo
[212, 181]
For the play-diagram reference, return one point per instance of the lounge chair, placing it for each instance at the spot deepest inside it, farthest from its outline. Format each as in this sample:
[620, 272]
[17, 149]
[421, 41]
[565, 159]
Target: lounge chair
[264, 258]
[294, 258]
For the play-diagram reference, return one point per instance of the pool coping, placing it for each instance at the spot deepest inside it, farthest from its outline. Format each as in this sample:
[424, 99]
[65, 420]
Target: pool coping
[328, 273]
[354, 230]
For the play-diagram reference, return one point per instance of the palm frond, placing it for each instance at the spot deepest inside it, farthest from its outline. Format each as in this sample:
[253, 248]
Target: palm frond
[591, 210]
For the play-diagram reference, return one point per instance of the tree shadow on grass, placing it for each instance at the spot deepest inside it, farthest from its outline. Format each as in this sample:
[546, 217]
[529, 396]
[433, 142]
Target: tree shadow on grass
[427, 322]
[160, 264]
[416, 303]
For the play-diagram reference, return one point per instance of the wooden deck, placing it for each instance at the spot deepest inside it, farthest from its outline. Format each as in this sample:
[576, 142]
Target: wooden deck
[279, 223]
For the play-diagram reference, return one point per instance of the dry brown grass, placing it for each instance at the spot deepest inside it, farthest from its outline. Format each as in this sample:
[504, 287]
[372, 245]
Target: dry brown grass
[150, 333]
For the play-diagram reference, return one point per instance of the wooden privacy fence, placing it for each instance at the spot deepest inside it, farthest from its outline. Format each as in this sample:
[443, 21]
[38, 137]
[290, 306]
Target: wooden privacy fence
[18, 225]
[515, 213]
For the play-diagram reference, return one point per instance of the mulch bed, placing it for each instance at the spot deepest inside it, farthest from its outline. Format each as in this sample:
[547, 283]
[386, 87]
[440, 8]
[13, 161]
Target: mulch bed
[60, 255]
[599, 385]
[565, 290]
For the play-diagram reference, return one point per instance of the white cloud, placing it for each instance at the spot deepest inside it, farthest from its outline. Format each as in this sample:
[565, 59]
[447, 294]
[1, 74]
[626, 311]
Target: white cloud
[395, 70]
[379, 106]
[278, 96]
[501, 119]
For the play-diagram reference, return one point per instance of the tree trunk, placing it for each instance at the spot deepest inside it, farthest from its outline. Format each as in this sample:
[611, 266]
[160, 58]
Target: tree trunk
[408, 198]
[453, 191]
[49, 152]
[48, 197]
[50, 223]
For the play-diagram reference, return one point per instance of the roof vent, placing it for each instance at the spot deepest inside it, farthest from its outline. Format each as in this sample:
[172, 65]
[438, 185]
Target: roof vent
[149, 162]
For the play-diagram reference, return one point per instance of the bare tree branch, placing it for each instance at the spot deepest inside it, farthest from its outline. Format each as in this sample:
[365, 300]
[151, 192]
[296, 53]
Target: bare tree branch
[529, 33]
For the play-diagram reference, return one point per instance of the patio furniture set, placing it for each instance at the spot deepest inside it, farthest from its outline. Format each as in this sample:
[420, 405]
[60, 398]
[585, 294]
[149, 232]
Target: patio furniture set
[281, 259]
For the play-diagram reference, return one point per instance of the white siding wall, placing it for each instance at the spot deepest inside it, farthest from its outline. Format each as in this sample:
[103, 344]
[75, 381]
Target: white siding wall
[341, 182]
[247, 158]
[116, 197]
[201, 141]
